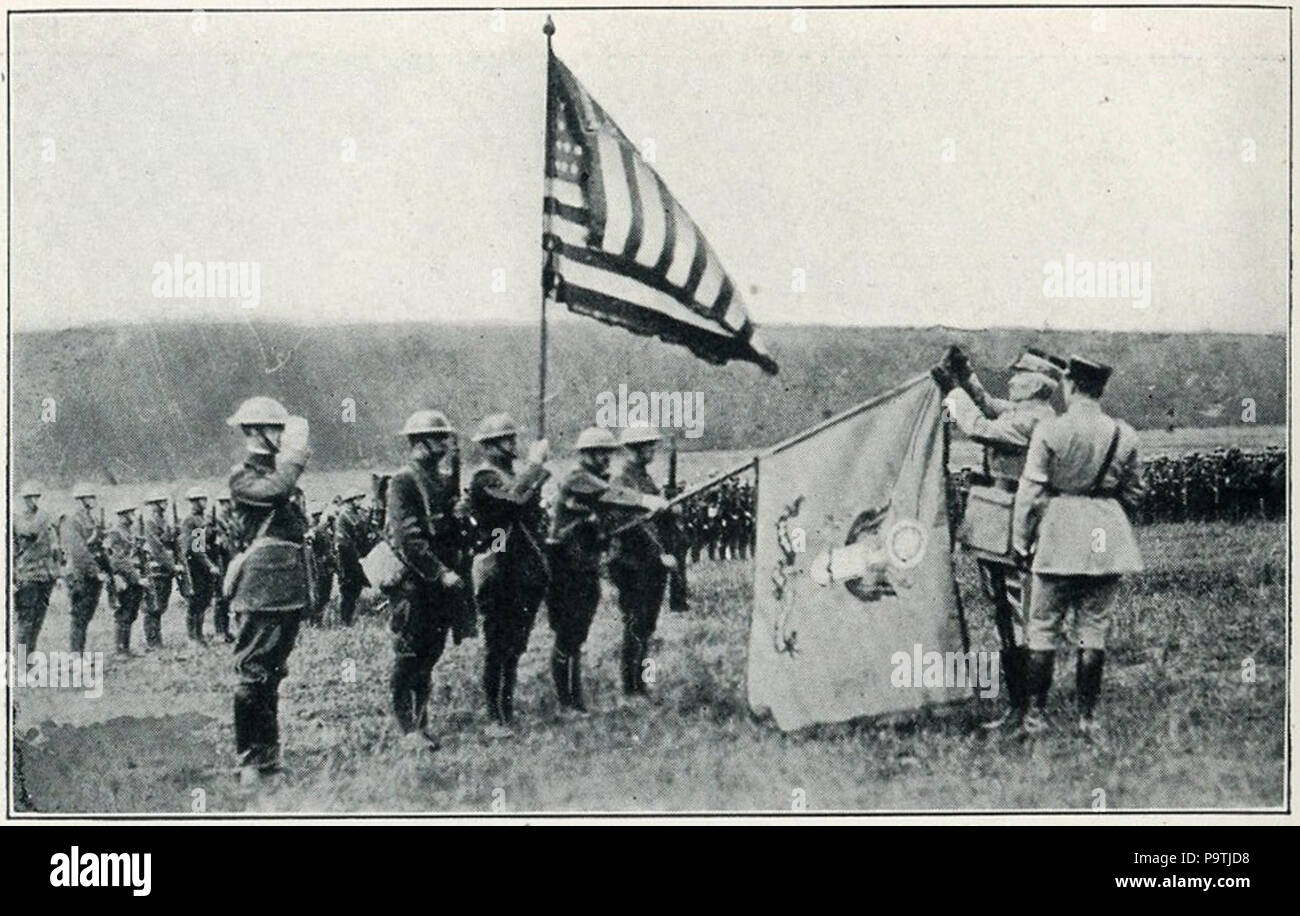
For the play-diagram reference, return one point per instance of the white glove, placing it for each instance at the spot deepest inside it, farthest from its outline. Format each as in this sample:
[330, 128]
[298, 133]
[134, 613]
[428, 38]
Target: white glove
[653, 503]
[669, 561]
[450, 580]
[539, 451]
[294, 437]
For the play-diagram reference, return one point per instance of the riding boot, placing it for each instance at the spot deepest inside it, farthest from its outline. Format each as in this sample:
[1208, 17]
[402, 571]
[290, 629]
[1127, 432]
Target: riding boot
[575, 682]
[1088, 680]
[492, 672]
[401, 685]
[509, 674]
[631, 664]
[1038, 679]
[560, 675]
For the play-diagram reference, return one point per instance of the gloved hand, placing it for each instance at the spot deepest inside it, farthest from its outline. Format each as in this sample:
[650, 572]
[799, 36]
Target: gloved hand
[943, 379]
[957, 364]
[668, 560]
[653, 503]
[451, 580]
[293, 441]
[539, 451]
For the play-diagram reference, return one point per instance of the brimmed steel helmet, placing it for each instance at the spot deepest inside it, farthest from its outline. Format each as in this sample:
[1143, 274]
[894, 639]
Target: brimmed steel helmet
[427, 423]
[495, 426]
[595, 439]
[259, 411]
[196, 492]
[157, 496]
[83, 488]
[30, 488]
[124, 507]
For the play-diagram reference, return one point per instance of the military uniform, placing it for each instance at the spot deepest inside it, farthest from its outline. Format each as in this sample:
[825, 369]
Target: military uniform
[220, 552]
[509, 573]
[1080, 475]
[636, 568]
[128, 580]
[324, 562]
[422, 533]
[161, 553]
[576, 544]
[269, 595]
[352, 539]
[84, 574]
[195, 539]
[36, 566]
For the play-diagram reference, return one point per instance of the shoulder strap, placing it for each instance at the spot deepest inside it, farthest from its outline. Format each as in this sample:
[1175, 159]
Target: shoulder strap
[1106, 462]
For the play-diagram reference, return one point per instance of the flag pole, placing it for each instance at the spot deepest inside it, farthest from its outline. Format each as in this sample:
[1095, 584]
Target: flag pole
[548, 262]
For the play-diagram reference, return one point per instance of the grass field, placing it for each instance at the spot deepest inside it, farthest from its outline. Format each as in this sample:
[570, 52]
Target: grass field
[1187, 731]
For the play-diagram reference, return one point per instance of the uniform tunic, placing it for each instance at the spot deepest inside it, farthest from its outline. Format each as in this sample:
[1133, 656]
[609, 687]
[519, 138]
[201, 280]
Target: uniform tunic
[128, 578]
[421, 532]
[84, 572]
[36, 566]
[1075, 523]
[509, 571]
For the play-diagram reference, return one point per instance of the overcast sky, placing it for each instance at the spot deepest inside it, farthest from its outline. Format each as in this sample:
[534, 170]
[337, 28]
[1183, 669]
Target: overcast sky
[919, 167]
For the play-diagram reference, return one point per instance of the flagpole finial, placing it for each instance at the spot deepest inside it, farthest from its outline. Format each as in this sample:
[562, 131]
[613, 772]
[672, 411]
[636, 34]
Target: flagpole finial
[549, 28]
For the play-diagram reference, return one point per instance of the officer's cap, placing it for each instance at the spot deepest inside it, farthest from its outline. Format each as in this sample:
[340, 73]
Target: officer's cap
[1092, 375]
[1040, 361]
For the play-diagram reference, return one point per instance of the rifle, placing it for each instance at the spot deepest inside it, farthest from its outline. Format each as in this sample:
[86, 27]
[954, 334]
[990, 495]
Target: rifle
[466, 626]
[182, 556]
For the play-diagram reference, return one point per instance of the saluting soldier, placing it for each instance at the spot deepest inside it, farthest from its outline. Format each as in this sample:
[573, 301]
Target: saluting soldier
[640, 561]
[586, 508]
[86, 569]
[509, 569]
[36, 564]
[352, 540]
[270, 591]
[1080, 479]
[161, 557]
[205, 577]
[1004, 427]
[129, 580]
[428, 598]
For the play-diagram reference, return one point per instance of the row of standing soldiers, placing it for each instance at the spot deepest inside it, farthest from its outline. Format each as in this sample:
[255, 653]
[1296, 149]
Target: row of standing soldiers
[720, 522]
[436, 588]
[133, 562]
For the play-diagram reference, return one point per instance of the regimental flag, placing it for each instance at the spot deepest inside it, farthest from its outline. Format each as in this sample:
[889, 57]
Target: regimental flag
[855, 608]
[623, 250]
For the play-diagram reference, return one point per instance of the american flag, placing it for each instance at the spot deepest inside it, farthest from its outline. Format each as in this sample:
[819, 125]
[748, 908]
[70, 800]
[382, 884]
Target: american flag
[622, 249]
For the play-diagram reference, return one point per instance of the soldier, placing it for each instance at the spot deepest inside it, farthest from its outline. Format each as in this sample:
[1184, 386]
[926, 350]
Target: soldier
[205, 577]
[86, 569]
[509, 569]
[1004, 428]
[578, 536]
[270, 589]
[1081, 476]
[640, 562]
[425, 601]
[221, 551]
[161, 555]
[352, 540]
[324, 561]
[36, 564]
[129, 579]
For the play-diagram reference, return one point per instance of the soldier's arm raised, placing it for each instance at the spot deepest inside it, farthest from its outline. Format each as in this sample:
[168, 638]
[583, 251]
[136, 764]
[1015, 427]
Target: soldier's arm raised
[266, 489]
[1001, 429]
[987, 403]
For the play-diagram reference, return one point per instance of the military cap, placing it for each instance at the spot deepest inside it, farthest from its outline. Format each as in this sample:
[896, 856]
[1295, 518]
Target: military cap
[30, 488]
[637, 434]
[594, 439]
[259, 411]
[495, 426]
[1091, 374]
[83, 488]
[427, 422]
[196, 492]
[1036, 360]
